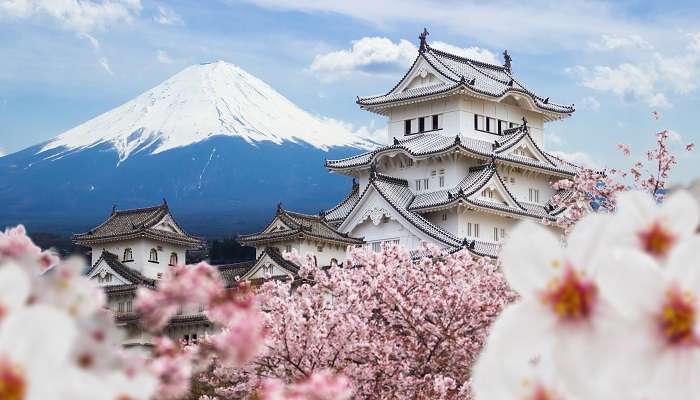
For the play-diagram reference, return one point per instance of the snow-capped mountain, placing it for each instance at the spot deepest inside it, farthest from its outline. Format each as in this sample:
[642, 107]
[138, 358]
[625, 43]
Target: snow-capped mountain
[221, 145]
[199, 102]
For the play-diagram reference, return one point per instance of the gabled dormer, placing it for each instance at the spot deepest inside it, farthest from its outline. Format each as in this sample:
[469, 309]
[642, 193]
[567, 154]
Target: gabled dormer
[445, 92]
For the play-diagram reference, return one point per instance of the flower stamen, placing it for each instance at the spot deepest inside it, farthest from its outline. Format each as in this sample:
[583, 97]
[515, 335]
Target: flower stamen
[657, 240]
[677, 318]
[570, 296]
[12, 383]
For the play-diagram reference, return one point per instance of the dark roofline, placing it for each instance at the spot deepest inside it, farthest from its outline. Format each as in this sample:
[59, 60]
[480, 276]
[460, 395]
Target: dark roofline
[117, 266]
[461, 83]
[457, 144]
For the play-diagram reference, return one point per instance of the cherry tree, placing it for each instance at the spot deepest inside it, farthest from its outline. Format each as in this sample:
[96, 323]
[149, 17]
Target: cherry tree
[596, 190]
[395, 327]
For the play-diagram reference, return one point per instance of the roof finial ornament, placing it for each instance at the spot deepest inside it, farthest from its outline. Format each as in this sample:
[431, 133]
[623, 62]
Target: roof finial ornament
[396, 141]
[472, 245]
[472, 82]
[114, 209]
[279, 207]
[458, 140]
[165, 202]
[524, 123]
[423, 40]
[507, 60]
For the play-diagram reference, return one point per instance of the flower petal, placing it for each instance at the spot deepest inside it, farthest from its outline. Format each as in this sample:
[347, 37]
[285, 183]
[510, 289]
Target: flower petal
[680, 213]
[683, 264]
[530, 258]
[38, 336]
[588, 241]
[632, 283]
[14, 287]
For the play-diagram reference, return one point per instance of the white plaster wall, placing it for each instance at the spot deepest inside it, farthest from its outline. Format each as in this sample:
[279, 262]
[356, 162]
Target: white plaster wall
[388, 229]
[458, 117]
[524, 180]
[328, 252]
[140, 249]
[455, 170]
[486, 223]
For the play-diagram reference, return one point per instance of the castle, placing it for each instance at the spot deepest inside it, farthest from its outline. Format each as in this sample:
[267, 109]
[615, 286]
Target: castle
[462, 164]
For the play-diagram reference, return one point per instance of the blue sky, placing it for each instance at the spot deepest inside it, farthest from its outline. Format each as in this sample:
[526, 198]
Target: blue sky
[65, 62]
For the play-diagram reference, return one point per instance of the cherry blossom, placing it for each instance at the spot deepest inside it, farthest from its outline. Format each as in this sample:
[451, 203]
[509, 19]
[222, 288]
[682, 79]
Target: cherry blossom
[654, 229]
[394, 326]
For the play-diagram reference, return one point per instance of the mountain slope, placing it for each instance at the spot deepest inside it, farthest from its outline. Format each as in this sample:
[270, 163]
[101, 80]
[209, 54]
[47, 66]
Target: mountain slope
[219, 144]
[199, 102]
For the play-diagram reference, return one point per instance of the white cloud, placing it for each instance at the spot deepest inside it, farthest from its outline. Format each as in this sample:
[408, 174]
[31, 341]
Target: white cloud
[379, 55]
[475, 53]
[369, 54]
[589, 103]
[81, 17]
[163, 57]
[166, 16]
[629, 81]
[651, 78]
[104, 63]
[577, 157]
[553, 139]
[541, 24]
[616, 42]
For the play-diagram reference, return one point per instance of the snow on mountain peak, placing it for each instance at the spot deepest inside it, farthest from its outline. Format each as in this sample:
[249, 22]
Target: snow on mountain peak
[201, 101]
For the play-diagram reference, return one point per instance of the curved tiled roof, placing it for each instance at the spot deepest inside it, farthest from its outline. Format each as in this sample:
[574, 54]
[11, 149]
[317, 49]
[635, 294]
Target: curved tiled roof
[313, 226]
[428, 144]
[339, 212]
[136, 223]
[478, 77]
[475, 180]
[232, 272]
[399, 196]
[133, 276]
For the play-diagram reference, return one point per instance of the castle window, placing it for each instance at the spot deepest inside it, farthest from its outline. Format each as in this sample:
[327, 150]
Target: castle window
[476, 230]
[421, 124]
[433, 173]
[128, 255]
[442, 181]
[491, 125]
[407, 127]
[129, 306]
[502, 126]
[495, 234]
[436, 122]
[503, 234]
[194, 338]
[479, 122]
[534, 195]
[425, 184]
[120, 306]
[173, 259]
[444, 217]
[288, 248]
[153, 256]
[418, 184]
[376, 247]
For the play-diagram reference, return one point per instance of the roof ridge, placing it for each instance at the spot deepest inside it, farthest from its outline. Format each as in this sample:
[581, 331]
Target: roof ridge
[141, 209]
[467, 59]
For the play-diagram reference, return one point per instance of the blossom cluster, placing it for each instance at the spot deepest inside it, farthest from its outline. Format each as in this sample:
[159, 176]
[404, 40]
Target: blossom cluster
[613, 314]
[396, 327]
[56, 339]
[596, 190]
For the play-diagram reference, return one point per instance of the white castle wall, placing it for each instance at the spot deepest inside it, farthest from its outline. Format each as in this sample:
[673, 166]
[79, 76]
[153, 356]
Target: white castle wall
[141, 249]
[457, 116]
